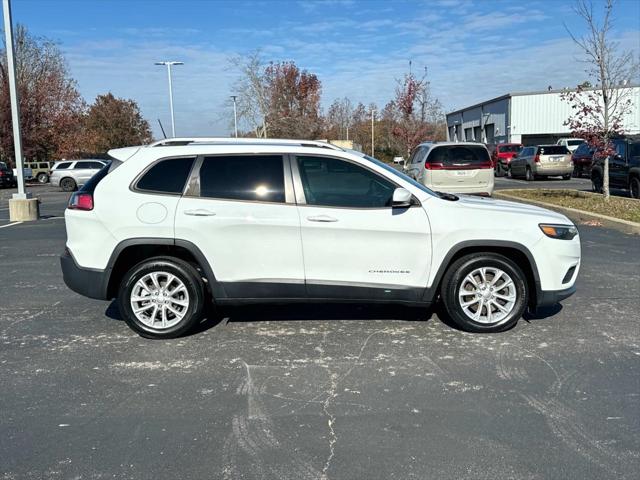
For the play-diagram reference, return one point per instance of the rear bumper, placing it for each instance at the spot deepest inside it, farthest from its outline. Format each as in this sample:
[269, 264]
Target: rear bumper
[554, 170]
[547, 298]
[85, 281]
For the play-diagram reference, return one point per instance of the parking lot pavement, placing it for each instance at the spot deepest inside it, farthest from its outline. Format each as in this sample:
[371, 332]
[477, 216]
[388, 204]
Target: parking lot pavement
[583, 184]
[311, 392]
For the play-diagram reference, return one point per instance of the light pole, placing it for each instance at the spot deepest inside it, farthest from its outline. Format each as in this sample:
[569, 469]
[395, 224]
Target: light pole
[373, 116]
[13, 93]
[235, 115]
[169, 64]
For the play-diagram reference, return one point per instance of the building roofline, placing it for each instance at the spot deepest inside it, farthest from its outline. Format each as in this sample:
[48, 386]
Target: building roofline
[536, 92]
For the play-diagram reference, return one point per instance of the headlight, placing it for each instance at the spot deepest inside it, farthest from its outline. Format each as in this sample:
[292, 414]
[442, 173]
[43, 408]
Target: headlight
[561, 232]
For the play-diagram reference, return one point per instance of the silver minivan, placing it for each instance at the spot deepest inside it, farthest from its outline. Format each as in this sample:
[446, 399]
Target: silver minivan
[542, 161]
[456, 167]
[71, 174]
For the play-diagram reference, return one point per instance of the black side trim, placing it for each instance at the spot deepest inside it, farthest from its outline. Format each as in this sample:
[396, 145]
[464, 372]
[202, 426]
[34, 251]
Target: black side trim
[85, 281]
[360, 292]
[431, 292]
[546, 298]
[264, 290]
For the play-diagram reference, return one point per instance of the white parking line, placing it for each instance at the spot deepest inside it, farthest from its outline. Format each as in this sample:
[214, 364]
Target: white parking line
[10, 224]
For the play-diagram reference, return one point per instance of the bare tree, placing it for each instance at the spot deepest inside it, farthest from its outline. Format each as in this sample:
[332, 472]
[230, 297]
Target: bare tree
[252, 89]
[599, 112]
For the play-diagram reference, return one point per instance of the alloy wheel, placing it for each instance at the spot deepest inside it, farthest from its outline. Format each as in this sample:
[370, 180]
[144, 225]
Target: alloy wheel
[487, 295]
[159, 300]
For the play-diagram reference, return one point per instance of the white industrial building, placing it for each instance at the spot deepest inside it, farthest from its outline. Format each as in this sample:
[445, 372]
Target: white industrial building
[529, 118]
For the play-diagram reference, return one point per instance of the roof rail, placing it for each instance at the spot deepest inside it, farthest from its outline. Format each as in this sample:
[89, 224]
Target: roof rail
[181, 141]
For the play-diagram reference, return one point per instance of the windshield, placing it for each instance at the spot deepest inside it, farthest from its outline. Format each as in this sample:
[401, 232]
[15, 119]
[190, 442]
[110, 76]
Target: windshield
[572, 143]
[395, 172]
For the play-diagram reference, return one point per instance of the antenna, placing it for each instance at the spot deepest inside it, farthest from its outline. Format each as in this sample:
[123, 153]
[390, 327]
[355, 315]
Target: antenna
[162, 128]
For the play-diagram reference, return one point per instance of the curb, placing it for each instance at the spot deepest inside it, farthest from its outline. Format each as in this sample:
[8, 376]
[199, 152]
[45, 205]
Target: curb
[577, 215]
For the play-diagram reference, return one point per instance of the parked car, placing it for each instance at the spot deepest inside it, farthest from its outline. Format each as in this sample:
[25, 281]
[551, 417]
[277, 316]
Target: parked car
[581, 159]
[71, 174]
[542, 161]
[501, 156]
[571, 143]
[624, 168]
[171, 230]
[461, 167]
[39, 170]
[7, 179]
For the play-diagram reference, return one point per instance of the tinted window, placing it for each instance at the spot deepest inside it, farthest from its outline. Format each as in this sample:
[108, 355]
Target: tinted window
[43, 165]
[459, 155]
[634, 149]
[553, 150]
[572, 143]
[88, 165]
[240, 177]
[63, 165]
[91, 185]
[337, 183]
[166, 176]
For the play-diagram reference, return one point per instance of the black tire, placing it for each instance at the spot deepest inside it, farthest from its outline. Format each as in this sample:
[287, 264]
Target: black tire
[42, 177]
[528, 175]
[577, 171]
[454, 279]
[634, 187]
[498, 170]
[509, 172]
[186, 273]
[596, 182]
[566, 177]
[68, 184]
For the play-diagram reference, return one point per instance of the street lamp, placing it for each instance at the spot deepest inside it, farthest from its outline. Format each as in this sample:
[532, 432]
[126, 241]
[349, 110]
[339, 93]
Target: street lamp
[235, 115]
[169, 64]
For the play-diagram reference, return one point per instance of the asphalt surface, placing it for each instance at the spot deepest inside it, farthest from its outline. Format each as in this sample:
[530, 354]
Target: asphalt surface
[312, 392]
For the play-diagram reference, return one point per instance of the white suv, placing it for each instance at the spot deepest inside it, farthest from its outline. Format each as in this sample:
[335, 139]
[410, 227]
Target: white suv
[170, 229]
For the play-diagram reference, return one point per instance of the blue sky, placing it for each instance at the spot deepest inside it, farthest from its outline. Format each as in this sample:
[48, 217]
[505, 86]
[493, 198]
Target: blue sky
[474, 49]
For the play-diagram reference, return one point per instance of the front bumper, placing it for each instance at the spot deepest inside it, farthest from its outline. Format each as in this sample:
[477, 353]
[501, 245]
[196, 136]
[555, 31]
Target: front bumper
[547, 298]
[85, 281]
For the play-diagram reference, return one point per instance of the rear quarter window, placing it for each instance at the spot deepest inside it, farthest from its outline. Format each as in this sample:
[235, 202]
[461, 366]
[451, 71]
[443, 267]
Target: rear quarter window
[167, 176]
[63, 166]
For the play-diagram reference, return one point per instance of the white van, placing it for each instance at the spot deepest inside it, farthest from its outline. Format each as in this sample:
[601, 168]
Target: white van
[455, 167]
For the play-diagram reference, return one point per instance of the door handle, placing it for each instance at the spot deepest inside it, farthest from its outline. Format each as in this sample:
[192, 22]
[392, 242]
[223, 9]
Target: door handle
[322, 218]
[200, 212]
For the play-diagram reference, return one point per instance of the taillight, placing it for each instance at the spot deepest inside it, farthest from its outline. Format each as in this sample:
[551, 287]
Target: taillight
[433, 166]
[537, 159]
[81, 201]
[1, 173]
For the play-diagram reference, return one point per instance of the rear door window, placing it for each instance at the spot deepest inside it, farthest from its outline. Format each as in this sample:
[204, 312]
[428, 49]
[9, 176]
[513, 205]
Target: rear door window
[167, 176]
[258, 178]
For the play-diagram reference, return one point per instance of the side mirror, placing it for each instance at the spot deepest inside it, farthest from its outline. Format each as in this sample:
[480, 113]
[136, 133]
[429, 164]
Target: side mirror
[401, 198]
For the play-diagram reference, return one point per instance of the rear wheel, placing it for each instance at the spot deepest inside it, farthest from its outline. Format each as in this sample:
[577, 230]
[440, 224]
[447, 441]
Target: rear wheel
[68, 184]
[484, 292]
[42, 177]
[634, 187]
[528, 175]
[162, 297]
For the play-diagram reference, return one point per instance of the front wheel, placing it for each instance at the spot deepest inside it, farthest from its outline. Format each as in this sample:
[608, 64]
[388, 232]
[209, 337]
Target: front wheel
[596, 182]
[484, 292]
[162, 297]
[634, 187]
